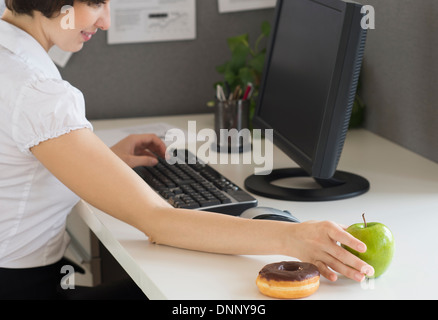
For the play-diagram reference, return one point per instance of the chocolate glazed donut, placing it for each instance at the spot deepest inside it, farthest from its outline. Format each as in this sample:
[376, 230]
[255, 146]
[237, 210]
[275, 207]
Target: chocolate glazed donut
[288, 279]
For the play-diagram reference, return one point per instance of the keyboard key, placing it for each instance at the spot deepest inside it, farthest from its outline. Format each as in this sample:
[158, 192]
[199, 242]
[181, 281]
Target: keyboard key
[193, 205]
[209, 202]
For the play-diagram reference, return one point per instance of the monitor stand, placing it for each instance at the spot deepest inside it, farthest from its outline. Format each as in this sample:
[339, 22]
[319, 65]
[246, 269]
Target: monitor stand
[343, 185]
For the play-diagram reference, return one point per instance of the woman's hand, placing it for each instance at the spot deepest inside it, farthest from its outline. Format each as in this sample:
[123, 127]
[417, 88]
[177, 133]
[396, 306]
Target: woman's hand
[317, 243]
[140, 150]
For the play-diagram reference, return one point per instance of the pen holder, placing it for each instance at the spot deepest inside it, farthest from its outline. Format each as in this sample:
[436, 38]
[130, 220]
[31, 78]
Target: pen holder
[230, 115]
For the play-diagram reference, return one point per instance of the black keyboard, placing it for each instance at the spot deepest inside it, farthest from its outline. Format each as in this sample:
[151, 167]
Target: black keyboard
[192, 184]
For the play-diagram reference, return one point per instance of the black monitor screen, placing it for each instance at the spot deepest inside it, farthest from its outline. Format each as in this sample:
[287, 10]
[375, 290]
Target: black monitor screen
[307, 93]
[294, 99]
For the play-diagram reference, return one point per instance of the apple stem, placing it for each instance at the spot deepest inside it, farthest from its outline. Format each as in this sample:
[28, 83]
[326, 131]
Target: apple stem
[364, 221]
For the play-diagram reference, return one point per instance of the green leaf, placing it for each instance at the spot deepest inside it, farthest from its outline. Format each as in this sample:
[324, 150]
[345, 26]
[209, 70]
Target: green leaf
[258, 63]
[235, 42]
[231, 78]
[358, 113]
[246, 76]
[239, 57]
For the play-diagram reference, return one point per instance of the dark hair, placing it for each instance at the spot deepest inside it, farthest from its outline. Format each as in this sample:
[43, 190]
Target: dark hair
[47, 7]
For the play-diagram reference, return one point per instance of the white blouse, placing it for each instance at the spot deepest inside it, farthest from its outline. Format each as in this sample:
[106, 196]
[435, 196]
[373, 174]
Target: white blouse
[35, 105]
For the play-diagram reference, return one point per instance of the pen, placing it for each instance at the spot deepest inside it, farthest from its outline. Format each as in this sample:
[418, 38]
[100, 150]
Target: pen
[220, 93]
[251, 91]
[247, 91]
[237, 93]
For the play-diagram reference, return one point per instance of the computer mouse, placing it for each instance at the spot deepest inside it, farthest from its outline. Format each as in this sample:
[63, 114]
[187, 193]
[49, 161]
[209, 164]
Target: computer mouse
[266, 213]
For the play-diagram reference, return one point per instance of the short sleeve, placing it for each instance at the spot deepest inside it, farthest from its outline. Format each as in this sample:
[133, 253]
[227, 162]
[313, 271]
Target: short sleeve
[45, 110]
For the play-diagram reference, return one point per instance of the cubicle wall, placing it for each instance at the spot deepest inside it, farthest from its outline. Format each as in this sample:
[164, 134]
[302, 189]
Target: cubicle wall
[160, 78]
[400, 74]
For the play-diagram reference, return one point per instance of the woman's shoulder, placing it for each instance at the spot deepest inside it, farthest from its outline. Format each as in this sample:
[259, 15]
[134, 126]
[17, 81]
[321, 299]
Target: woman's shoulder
[17, 75]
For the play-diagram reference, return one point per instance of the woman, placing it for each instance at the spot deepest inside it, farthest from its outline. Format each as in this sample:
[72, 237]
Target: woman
[50, 157]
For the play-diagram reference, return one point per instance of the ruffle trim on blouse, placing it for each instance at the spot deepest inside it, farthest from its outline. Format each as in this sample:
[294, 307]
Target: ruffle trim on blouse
[26, 148]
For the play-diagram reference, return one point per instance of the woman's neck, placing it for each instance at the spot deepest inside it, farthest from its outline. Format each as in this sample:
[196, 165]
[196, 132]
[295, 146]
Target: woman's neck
[33, 25]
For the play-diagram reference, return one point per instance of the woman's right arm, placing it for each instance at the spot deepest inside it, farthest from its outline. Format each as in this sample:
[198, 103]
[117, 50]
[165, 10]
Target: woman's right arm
[89, 168]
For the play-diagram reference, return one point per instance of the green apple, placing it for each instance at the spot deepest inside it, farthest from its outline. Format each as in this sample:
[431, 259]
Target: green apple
[379, 241]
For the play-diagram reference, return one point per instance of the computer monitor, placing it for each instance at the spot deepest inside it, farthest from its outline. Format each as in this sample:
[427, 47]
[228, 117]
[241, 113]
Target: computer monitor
[306, 96]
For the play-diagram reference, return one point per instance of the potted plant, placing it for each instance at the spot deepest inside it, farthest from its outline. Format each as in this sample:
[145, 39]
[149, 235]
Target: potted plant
[246, 64]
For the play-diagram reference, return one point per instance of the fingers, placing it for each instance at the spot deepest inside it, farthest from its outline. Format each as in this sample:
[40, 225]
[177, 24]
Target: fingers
[342, 260]
[150, 142]
[147, 148]
[357, 272]
[325, 271]
[349, 265]
[146, 161]
[140, 149]
[330, 257]
[339, 235]
[148, 156]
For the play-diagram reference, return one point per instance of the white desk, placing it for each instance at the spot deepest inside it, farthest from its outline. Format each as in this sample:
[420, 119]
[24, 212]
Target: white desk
[403, 195]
